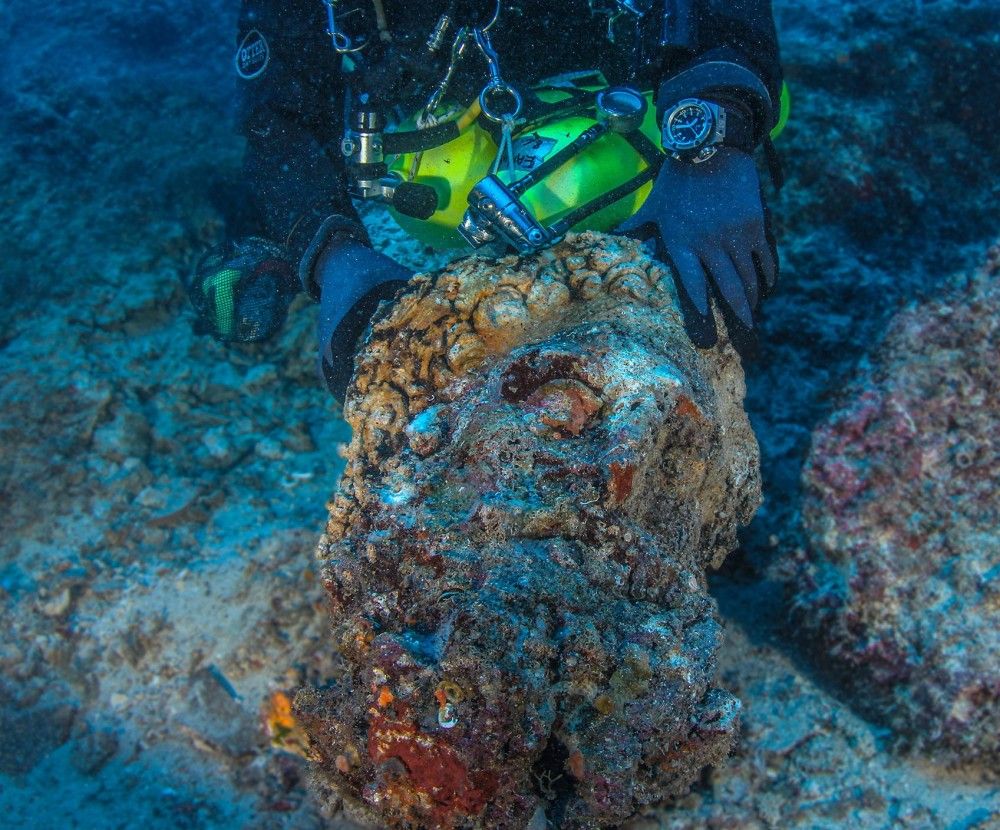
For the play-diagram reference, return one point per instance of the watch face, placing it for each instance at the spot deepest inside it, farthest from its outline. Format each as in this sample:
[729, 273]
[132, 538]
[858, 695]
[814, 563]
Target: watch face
[688, 126]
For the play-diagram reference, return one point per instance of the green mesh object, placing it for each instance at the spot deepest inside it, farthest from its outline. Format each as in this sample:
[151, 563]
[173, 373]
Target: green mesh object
[218, 289]
[241, 290]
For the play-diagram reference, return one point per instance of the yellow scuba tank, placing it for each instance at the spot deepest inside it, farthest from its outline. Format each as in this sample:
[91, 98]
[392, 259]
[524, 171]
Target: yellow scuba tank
[610, 162]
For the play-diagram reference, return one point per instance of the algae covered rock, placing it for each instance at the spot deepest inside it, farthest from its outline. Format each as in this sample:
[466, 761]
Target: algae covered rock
[542, 468]
[901, 584]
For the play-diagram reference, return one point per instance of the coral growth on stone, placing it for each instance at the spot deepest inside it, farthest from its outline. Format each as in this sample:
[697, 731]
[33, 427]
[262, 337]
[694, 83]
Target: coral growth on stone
[901, 584]
[542, 469]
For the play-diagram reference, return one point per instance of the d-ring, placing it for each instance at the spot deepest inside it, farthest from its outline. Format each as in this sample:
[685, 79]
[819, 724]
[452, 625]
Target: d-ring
[494, 88]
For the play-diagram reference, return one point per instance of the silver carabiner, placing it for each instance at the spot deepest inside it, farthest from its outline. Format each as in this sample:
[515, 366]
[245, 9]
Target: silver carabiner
[489, 53]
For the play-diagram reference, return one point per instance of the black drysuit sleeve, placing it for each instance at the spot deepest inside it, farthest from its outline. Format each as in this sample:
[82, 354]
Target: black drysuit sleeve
[741, 32]
[292, 113]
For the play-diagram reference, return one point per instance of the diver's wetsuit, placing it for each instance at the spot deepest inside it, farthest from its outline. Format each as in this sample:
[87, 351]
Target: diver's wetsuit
[293, 106]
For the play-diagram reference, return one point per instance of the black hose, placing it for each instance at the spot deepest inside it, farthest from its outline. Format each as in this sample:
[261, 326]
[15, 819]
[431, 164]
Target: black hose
[416, 141]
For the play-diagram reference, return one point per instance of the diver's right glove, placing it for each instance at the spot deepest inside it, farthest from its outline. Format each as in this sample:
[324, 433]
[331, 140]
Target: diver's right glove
[353, 279]
[711, 225]
[241, 290]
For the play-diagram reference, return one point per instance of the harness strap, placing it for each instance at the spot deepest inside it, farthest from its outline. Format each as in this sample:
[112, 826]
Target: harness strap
[609, 198]
[651, 154]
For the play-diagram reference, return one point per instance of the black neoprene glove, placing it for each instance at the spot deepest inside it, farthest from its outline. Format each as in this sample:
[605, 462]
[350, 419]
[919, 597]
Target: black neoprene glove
[353, 279]
[710, 223]
[241, 290]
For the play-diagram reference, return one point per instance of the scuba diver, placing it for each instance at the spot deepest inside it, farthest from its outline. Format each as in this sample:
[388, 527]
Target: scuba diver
[532, 118]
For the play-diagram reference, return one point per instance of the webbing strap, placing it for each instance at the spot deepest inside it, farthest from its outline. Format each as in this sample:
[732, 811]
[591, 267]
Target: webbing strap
[651, 154]
[609, 198]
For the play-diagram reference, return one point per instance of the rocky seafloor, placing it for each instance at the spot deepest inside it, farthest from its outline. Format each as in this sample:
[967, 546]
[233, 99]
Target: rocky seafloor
[162, 495]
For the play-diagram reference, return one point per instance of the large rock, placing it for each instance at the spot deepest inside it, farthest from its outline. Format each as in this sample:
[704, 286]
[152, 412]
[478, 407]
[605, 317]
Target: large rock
[542, 469]
[901, 586]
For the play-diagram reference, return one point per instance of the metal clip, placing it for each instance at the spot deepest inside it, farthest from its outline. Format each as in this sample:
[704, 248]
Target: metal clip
[436, 39]
[458, 49]
[632, 10]
[495, 210]
[341, 41]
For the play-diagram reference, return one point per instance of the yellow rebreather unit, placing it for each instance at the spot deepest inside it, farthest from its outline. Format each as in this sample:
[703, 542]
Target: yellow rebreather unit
[453, 168]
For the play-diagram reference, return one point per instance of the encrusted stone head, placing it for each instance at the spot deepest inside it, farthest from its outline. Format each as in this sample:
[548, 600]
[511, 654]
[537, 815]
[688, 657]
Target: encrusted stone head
[542, 468]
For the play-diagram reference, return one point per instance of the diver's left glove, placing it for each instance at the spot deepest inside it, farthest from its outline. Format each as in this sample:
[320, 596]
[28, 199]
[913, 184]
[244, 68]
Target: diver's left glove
[711, 224]
[241, 290]
[353, 281]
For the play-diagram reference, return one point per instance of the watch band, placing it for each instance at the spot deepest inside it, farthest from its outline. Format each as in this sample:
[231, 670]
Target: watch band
[739, 129]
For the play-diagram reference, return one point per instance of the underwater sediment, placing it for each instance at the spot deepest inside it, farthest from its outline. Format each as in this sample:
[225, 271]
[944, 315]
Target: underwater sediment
[900, 586]
[541, 471]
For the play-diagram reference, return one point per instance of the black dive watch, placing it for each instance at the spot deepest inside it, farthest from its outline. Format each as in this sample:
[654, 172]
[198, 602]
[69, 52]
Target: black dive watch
[694, 129]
